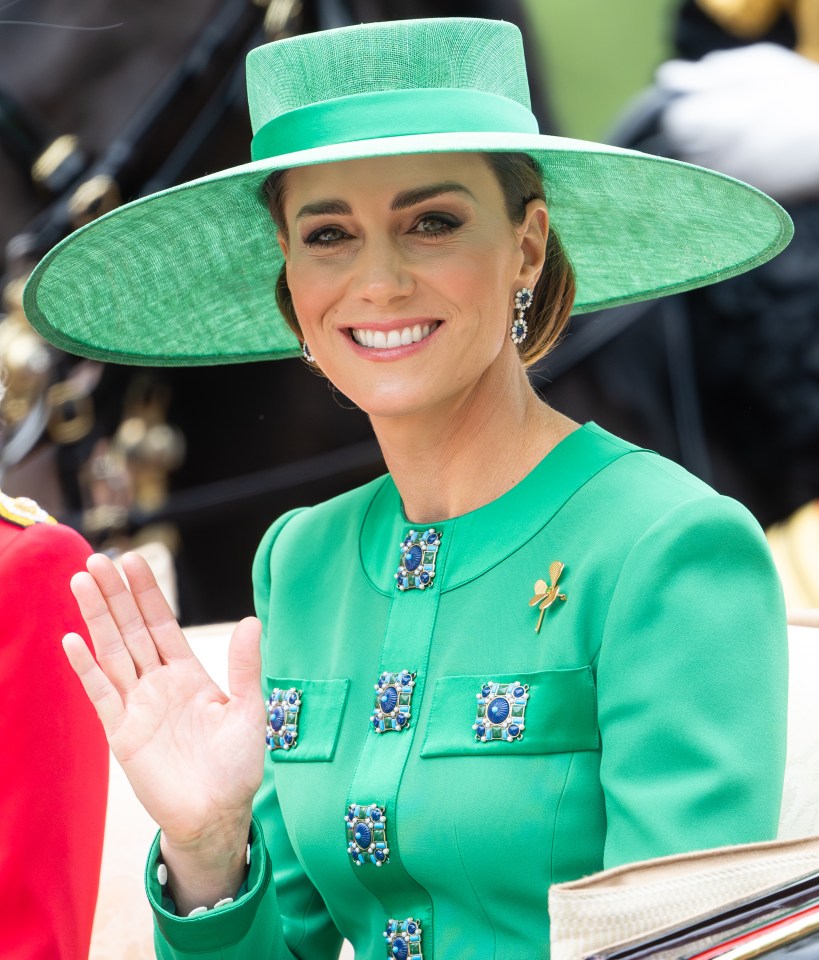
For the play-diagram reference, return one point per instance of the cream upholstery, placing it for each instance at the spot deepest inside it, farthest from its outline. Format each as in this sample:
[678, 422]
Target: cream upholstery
[123, 926]
[800, 797]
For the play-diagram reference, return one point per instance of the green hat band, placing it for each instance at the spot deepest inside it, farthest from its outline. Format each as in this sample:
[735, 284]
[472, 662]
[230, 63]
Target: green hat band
[390, 113]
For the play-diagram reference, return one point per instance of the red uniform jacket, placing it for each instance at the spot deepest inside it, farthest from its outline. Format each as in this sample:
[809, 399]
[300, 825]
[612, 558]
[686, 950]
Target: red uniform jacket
[53, 754]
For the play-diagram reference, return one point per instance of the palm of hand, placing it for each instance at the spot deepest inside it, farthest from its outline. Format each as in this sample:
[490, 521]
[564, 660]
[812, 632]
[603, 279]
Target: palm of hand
[183, 749]
[194, 757]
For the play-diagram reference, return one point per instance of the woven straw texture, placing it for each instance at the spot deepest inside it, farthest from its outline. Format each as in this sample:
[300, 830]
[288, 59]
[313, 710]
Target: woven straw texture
[187, 276]
[449, 54]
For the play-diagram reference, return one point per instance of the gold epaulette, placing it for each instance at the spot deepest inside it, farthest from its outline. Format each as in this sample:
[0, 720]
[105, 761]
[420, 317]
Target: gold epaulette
[22, 511]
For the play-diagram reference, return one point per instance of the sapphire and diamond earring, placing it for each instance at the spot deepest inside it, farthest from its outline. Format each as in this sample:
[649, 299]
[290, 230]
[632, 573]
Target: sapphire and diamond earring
[305, 352]
[519, 328]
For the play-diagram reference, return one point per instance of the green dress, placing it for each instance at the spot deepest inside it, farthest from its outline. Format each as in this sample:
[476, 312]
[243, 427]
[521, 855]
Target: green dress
[443, 762]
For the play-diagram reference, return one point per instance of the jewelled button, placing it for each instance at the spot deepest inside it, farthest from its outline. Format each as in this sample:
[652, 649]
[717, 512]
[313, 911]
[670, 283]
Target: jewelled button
[501, 709]
[367, 834]
[419, 552]
[393, 695]
[283, 707]
[403, 939]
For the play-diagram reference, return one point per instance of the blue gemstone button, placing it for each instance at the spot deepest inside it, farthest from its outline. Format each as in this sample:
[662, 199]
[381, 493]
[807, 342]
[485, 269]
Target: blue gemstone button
[501, 710]
[366, 829]
[283, 709]
[498, 710]
[419, 552]
[277, 718]
[363, 836]
[389, 700]
[404, 939]
[393, 700]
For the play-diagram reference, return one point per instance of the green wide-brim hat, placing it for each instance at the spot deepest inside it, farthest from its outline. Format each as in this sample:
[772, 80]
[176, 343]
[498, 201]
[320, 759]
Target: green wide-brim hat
[188, 276]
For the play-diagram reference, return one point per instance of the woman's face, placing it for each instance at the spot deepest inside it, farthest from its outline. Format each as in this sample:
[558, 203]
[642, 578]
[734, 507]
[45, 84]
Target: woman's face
[402, 272]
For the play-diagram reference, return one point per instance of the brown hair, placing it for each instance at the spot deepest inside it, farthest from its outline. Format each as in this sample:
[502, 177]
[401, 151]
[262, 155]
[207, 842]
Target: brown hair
[521, 181]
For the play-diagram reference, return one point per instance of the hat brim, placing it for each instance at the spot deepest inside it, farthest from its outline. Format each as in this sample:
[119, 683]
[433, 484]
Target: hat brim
[187, 276]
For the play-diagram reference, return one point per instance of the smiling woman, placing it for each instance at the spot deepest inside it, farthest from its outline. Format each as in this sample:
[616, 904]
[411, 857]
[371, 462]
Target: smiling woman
[521, 182]
[520, 656]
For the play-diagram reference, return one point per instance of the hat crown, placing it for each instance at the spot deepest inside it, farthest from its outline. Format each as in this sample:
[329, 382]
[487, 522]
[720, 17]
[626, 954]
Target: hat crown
[457, 53]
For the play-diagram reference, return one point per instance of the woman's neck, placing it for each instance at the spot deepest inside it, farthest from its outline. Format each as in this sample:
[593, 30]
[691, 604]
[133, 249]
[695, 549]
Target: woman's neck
[450, 461]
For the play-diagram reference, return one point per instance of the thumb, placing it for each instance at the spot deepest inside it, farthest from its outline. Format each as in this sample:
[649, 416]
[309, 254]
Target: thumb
[245, 665]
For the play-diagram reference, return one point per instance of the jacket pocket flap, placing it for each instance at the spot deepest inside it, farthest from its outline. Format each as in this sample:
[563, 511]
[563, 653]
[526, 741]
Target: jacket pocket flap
[314, 726]
[560, 715]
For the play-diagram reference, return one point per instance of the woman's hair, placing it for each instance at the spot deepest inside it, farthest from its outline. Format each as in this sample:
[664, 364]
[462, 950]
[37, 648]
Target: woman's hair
[521, 181]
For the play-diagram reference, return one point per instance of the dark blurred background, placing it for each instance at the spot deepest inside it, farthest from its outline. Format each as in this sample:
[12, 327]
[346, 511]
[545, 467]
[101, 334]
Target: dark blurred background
[102, 102]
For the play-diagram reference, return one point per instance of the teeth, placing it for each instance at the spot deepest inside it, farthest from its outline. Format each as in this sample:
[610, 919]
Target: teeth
[380, 340]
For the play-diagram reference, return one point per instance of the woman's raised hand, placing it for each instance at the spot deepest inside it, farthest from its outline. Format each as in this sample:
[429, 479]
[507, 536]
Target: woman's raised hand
[194, 757]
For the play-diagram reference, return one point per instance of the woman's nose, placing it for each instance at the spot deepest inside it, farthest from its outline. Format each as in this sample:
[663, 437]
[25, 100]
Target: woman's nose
[382, 275]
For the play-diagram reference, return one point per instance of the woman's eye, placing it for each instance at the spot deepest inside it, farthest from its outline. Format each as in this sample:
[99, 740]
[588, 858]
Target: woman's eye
[436, 225]
[324, 237]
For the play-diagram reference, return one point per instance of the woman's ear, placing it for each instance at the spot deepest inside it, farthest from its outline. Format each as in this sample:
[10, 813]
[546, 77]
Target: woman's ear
[533, 234]
[282, 239]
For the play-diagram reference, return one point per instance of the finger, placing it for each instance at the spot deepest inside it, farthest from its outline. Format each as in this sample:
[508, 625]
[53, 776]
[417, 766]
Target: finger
[112, 654]
[245, 668]
[125, 613]
[98, 688]
[155, 612]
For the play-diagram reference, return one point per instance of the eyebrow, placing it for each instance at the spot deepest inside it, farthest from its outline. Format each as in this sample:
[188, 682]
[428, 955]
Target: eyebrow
[409, 198]
[401, 201]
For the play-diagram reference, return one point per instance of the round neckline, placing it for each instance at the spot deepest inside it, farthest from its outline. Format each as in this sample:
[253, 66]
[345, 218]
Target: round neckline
[479, 539]
[463, 516]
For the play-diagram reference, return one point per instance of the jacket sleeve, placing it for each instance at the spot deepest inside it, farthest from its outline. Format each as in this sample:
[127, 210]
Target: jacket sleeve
[692, 686]
[54, 758]
[279, 914]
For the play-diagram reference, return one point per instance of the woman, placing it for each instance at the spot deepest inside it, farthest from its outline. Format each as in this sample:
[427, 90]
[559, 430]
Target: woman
[532, 650]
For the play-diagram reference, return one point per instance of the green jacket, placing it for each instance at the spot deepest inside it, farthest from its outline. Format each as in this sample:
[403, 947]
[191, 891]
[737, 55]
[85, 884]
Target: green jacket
[646, 717]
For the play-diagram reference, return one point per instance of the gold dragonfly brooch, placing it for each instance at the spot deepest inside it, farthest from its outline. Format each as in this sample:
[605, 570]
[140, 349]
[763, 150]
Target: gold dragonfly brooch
[545, 595]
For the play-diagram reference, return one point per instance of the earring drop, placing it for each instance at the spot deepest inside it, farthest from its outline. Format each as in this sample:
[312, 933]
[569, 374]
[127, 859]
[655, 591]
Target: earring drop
[519, 328]
[305, 352]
